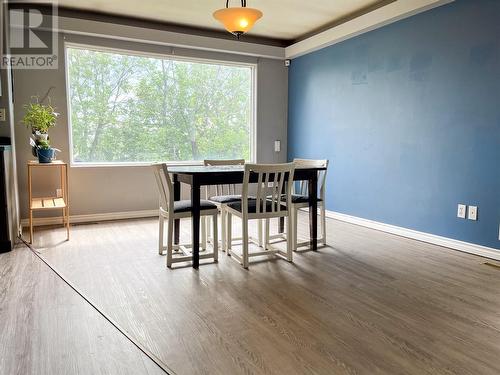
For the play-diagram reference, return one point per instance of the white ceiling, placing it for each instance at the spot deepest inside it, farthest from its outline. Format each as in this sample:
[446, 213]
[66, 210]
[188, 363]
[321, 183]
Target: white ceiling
[283, 19]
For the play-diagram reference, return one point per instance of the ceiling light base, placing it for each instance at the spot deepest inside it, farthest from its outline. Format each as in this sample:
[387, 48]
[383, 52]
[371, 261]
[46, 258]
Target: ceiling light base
[237, 34]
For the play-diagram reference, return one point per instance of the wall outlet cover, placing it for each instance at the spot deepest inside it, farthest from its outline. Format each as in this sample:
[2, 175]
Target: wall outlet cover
[472, 213]
[2, 114]
[462, 209]
[277, 146]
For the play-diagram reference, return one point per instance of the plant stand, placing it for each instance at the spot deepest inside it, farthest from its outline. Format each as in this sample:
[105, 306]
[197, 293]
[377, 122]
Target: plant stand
[49, 203]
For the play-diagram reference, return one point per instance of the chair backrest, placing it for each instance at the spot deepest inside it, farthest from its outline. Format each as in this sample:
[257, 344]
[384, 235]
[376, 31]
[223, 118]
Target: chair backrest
[227, 189]
[165, 186]
[271, 180]
[303, 186]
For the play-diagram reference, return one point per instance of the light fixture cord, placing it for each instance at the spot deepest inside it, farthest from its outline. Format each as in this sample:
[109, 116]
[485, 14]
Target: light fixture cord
[243, 3]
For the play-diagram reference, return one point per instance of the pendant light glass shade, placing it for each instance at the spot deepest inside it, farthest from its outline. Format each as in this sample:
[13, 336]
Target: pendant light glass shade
[238, 20]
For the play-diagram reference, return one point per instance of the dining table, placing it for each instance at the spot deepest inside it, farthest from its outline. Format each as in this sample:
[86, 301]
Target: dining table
[197, 176]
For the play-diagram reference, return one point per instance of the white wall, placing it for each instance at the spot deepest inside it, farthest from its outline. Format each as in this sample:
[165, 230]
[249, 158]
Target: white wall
[95, 190]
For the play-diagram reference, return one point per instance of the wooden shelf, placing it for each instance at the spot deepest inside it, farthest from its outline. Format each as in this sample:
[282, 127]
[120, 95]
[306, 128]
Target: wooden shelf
[47, 203]
[54, 163]
[59, 202]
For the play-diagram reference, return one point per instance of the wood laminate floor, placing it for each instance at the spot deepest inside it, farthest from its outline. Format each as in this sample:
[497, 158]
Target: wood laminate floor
[47, 328]
[369, 303]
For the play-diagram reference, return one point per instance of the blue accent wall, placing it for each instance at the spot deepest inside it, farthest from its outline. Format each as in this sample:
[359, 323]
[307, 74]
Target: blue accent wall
[409, 117]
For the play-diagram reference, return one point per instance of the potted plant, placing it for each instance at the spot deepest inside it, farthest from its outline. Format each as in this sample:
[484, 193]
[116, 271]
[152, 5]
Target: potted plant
[40, 118]
[44, 152]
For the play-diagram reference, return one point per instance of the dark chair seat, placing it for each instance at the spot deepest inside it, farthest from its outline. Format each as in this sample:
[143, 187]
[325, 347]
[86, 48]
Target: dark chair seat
[252, 206]
[297, 198]
[225, 198]
[185, 205]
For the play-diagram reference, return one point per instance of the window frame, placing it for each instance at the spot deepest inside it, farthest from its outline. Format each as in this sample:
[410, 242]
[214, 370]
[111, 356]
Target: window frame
[124, 51]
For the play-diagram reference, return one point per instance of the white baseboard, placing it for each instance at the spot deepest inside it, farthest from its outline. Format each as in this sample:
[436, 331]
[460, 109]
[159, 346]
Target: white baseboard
[92, 217]
[450, 243]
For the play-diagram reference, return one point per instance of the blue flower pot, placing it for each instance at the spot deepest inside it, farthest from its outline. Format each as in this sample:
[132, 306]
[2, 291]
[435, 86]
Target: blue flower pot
[45, 156]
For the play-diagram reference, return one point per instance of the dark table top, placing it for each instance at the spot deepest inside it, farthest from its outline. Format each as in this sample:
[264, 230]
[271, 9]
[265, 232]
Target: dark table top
[201, 169]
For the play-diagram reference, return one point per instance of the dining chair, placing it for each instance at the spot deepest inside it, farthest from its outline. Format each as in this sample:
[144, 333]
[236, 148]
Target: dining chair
[300, 199]
[171, 210]
[266, 204]
[221, 195]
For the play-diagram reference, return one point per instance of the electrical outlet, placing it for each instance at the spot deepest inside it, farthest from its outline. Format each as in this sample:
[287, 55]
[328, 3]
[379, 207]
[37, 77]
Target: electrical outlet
[277, 146]
[472, 213]
[59, 193]
[462, 209]
[2, 114]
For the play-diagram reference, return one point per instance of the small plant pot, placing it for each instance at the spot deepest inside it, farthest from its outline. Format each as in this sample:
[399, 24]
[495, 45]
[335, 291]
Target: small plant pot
[38, 137]
[45, 155]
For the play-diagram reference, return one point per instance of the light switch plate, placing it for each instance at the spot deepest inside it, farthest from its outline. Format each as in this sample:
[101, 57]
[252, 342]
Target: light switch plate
[2, 114]
[462, 209]
[472, 213]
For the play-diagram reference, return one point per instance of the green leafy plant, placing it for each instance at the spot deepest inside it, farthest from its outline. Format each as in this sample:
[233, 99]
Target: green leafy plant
[43, 144]
[39, 117]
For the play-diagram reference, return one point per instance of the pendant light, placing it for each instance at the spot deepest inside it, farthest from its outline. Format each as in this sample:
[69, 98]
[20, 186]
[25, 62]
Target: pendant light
[237, 20]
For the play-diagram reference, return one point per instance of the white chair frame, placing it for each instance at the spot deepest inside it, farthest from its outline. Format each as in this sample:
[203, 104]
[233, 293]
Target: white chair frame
[303, 189]
[229, 189]
[271, 178]
[183, 254]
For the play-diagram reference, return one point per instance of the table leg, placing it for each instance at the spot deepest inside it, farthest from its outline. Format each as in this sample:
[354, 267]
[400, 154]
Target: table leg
[313, 211]
[177, 197]
[195, 203]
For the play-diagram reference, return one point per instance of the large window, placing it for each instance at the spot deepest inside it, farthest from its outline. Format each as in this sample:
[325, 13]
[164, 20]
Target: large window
[132, 108]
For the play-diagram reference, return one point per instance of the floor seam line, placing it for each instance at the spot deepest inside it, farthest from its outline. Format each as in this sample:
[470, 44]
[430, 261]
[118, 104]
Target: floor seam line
[138, 345]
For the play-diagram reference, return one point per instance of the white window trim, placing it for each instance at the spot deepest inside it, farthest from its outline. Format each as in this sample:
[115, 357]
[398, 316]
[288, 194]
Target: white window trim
[253, 104]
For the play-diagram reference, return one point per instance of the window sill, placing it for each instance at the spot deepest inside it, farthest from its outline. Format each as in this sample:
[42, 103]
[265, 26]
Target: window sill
[139, 164]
